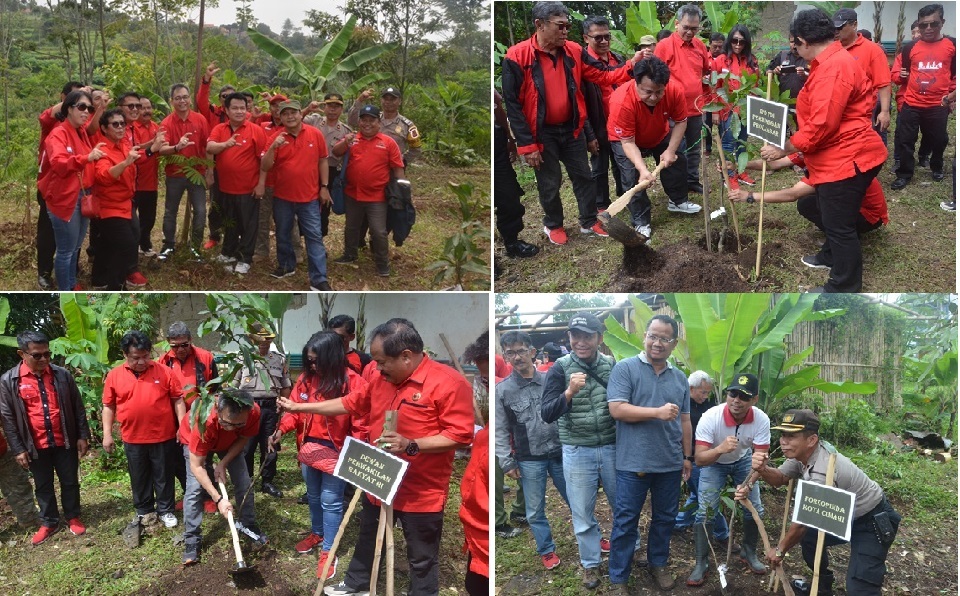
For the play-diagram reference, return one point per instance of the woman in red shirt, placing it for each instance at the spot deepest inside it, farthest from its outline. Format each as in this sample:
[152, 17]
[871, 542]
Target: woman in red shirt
[69, 154]
[325, 376]
[736, 59]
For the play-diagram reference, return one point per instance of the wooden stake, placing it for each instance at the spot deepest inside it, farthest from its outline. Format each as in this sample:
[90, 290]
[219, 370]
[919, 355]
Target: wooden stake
[705, 178]
[390, 550]
[821, 535]
[375, 572]
[775, 579]
[723, 168]
[763, 183]
[336, 541]
[778, 570]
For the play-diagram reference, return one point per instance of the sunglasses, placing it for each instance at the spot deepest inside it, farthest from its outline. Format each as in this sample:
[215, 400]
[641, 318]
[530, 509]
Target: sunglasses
[925, 26]
[117, 124]
[40, 355]
[85, 107]
[738, 41]
[561, 26]
[131, 106]
[601, 37]
[739, 395]
[178, 346]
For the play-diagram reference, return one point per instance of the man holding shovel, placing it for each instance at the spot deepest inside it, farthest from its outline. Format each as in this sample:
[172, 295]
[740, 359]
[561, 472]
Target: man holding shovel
[875, 521]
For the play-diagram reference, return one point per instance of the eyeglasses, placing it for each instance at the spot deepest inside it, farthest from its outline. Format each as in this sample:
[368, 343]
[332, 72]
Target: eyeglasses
[925, 26]
[227, 424]
[660, 340]
[85, 107]
[185, 344]
[607, 37]
[737, 41]
[117, 124]
[739, 395]
[181, 98]
[515, 353]
[131, 106]
[690, 29]
[563, 26]
[40, 355]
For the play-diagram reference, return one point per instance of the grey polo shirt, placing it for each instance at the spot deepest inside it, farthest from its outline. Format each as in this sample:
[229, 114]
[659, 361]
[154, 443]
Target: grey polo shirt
[846, 476]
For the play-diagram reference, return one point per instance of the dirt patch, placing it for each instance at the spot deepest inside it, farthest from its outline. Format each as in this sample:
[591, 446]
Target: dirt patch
[212, 576]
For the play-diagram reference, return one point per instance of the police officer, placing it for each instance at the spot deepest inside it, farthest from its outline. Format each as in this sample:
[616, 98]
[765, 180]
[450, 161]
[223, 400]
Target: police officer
[268, 380]
[333, 132]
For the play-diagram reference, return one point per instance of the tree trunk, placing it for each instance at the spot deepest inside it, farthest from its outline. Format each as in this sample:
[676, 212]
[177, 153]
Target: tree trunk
[198, 73]
[406, 43]
[103, 37]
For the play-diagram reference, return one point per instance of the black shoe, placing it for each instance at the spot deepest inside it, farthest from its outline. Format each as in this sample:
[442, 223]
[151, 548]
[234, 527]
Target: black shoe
[899, 183]
[937, 176]
[924, 161]
[521, 249]
[385, 272]
[323, 286]
[520, 520]
[303, 500]
[345, 259]
[814, 262]
[280, 273]
[166, 253]
[695, 187]
[44, 281]
[508, 531]
[270, 489]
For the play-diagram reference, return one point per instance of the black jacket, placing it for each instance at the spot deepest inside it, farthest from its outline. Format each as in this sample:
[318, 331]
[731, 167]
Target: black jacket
[596, 124]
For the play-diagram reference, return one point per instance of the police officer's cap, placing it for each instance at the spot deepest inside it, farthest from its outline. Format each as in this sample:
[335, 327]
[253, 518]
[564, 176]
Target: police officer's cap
[391, 91]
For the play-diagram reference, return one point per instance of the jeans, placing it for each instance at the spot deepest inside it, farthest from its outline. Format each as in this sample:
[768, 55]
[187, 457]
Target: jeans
[712, 480]
[197, 195]
[151, 475]
[64, 462]
[194, 496]
[673, 179]
[583, 468]
[325, 497]
[69, 235]
[560, 146]
[690, 146]
[308, 216]
[689, 509]
[632, 489]
[533, 476]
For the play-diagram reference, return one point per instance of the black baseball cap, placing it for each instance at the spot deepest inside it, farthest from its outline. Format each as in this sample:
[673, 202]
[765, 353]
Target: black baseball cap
[391, 91]
[843, 16]
[369, 110]
[552, 350]
[795, 421]
[586, 322]
[745, 383]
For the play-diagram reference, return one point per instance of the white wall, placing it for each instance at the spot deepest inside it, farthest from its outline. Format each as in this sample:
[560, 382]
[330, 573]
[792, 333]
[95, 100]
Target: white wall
[890, 12]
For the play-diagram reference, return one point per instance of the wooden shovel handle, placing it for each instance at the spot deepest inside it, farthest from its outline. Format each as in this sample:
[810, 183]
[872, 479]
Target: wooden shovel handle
[233, 527]
[787, 588]
[618, 205]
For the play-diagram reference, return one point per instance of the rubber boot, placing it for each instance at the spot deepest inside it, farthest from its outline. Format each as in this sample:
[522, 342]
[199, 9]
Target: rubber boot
[748, 550]
[702, 545]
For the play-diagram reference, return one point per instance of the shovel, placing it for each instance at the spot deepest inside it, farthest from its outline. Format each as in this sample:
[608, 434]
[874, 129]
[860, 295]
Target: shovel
[242, 567]
[618, 230]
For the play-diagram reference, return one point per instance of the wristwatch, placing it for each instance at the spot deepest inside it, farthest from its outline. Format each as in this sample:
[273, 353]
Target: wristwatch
[750, 199]
[689, 458]
[780, 554]
[413, 449]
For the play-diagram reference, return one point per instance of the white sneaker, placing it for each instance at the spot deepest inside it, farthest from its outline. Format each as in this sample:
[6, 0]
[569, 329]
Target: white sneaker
[684, 207]
[169, 520]
[341, 589]
[222, 258]
[242, 268]
[149, 253]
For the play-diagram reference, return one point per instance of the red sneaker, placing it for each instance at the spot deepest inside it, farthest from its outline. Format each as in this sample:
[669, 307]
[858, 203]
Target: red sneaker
[556, 235]
[210, 244]
[76, 526]
[209, 507]
[550, 560]
[43, 533]
[746, 179]
[179, 505]
[309, 543]
[78, 288]
[136, 280]
[332, 570]
[604, 545]
[596, 228]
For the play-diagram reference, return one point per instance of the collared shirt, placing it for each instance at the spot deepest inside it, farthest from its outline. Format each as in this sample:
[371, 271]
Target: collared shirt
[630, 117]
[404, 132]
[605, 90]
[557, 100]
[144, 404]
[475, 504]
[148, 170]
[846, 476]
[176, 127]
[369, 167]
[434, 400]
[521, 433]
[651, 445]
[334, 429]
[333, 134]
[42, 406]
[267, 378]
[297, 164]
[187, 370]
[872, 59]
[239, 166]
[734, 65]
[718, 424]
[215, 438]
[48, 121]
[689, 61]
[115, 194]
[832, 110]
[65, 156]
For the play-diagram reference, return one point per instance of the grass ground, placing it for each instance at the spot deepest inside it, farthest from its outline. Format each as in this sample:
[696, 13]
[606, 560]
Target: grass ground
[915, 252]
[98, 563]
[436, 220]
[921, 562]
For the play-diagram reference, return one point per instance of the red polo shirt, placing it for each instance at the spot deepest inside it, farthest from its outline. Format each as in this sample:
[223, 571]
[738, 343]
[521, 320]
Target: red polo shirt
[144, 404]
[239, 166]
[557, 104]
[872, 59]
[38, 414]
[187, 370]
[147, 172]
[688, 62]
[368, 169]
[296, 165]
[176, 127]
[475, 504]
[215, 438]
[833, 112]
[115, 194]
[630, 117]
[334, 429]
[435, 399]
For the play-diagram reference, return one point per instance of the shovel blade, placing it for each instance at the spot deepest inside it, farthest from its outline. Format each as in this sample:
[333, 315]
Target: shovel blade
[620, 231]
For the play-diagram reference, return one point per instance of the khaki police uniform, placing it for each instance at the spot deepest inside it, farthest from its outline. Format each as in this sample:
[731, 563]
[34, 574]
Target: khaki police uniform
[265, 382]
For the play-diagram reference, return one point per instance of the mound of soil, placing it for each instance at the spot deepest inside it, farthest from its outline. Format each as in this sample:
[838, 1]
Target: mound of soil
[212, 576]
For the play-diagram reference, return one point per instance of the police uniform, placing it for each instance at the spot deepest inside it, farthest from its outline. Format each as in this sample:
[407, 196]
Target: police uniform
[265, 388]
[333, 135]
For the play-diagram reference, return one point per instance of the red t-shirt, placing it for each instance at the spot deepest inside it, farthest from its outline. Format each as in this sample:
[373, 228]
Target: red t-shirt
[334, 429]
[630, 117]
[144, 405]
[873, 208]
[32, 397]
[296, 165]
[833, 111]
[556, 96]
[176, 127]
[435, 399]
[930, 76]
[872, 59]
[216, 439]
[735, 65]
[368, 169]
[688, 62]
[148, 168]
[239, 166]
[115, 194]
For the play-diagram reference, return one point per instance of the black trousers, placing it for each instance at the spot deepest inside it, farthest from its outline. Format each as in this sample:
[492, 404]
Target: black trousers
[326, 209]
[839, 204]
[46, 241]
[932, 123]
[268, 424]
[560, 146]
[506, 190]
[691, 147]
[65, 463]
[216, 213]
[476, 584]
[145, 202]
[241, 220]
[151, 475]
[807, 207]
[421, 531]
[674, 179]
[115, 247]
[601, 165]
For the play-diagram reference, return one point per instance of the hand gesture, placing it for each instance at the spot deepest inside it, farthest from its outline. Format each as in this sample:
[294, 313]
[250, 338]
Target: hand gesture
[211, 70]
[314, 106]
[96, 153]
[184, 141]
[638, 56]
[232, 141]
[728, 445]
[365, 95]
[266, 95]
[159, 140]
[280, 141]
[668, 412]
[647, 53]
[133, 156]
[759, 460]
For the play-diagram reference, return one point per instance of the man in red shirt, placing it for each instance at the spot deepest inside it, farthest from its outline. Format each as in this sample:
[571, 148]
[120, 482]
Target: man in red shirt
[435, 417]
[187, 132]
[146, 398]
[639, 125]
[842, 156]
[145, 196]
[346, 327]
[543, 95]
[872, 59]
[237, 145]
[45, 423]
[374, 157]
[228, 428]
[929, 65]
[897, 78]
[215, 115]
[689, 63]
[297, 156]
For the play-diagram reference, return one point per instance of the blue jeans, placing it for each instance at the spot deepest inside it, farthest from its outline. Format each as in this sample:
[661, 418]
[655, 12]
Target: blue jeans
[308, 216]
[632, 489]
[689, 510]
[730, 146]
[533, 477]
[325, 497]
[583, 468]
[69, 235]
[712, 480]
[197, 195]
[193, 497]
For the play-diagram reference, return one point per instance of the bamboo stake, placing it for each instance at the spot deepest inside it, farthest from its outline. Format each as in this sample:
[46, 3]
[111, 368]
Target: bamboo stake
[336, 541]
[390, 549]
[775, 579]
[730, 181]
[763, 183]
[821, 535]
[787, 588]
[381, 527]
[705, 178]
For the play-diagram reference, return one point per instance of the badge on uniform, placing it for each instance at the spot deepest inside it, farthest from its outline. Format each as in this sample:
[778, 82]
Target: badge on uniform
[416, 397]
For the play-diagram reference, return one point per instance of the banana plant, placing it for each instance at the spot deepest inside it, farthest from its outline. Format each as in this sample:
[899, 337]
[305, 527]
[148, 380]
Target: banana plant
[6, 340]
